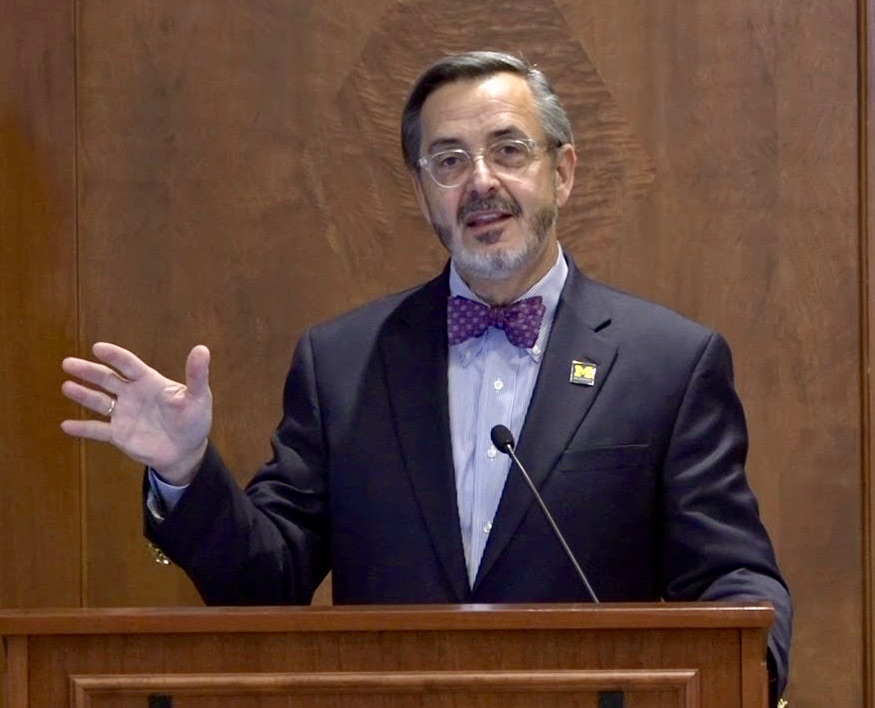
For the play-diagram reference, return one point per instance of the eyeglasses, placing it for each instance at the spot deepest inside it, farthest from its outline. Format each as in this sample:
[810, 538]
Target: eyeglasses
[450, 168]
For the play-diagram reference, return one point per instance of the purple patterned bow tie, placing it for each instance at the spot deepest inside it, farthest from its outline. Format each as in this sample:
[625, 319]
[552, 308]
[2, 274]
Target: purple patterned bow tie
[521, 320]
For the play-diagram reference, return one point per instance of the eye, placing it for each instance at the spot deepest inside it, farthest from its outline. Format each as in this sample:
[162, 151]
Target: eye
[450, 160]
[510, 152]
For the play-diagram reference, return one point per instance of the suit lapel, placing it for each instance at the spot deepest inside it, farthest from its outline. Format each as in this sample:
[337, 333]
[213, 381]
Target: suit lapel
[414, 349]
[557, 407]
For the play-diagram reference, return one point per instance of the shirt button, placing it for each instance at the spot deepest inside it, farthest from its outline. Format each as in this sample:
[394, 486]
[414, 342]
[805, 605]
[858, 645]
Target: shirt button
[536, 350]
[498, 385]
[491, 452]
[488, 527]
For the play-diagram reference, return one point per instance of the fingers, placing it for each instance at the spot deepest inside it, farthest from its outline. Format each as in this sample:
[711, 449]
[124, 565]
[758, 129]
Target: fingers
[197, 371]
[124, 366]
[91, 429]
[122, 370]
[128, 363]
[94, 373]
[96, 401]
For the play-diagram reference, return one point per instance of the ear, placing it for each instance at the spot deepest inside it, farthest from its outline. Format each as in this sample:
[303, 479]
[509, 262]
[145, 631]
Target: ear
[566, 160]
[420, 195]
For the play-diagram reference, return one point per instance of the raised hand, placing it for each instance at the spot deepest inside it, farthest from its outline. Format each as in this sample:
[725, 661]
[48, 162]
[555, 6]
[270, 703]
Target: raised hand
[152, 419]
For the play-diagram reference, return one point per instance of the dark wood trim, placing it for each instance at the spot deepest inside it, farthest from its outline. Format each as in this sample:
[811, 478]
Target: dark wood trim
[867, 332]
[684, 682]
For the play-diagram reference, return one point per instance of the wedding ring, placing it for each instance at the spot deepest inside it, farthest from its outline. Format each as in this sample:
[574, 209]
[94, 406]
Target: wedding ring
[111, 408]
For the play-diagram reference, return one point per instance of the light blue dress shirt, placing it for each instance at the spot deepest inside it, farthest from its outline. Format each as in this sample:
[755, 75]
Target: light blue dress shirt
[491, 382]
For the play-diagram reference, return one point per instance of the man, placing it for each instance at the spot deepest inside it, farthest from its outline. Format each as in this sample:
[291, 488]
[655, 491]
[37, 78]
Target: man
[383, 468]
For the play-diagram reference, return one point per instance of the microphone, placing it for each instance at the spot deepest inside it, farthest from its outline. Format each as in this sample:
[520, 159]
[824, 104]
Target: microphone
[502, 438]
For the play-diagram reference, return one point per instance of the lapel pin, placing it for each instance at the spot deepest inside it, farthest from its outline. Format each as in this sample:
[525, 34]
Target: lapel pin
[583, 373]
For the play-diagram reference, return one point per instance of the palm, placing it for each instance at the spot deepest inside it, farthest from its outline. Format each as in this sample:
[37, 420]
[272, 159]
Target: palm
[157, 421]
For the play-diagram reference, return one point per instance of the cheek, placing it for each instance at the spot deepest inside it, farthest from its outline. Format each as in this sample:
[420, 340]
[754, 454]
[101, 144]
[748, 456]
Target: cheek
[526, 196]
[443, 207]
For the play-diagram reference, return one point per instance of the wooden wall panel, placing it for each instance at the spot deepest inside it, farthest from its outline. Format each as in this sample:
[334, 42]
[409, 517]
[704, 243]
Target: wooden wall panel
[39, 474]
[198, 225]
[819, 435]
[238, 177]
[749, 110]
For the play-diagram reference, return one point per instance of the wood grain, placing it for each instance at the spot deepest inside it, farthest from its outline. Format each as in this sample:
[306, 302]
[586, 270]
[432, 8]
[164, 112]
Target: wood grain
[40, 515]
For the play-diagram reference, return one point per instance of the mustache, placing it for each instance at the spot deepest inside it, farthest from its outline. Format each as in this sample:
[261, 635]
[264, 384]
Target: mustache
[476, 205]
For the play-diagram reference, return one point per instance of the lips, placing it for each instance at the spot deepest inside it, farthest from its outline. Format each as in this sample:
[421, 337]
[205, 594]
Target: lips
[486, 215]
[485, 218]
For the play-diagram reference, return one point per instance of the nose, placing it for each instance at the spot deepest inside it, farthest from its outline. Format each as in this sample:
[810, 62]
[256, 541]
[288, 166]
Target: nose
[482, 178]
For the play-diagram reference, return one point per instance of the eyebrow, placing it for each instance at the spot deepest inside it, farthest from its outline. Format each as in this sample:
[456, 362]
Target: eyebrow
[450, 142]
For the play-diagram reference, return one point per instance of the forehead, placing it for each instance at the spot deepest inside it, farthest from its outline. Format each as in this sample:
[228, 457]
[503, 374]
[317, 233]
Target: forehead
[470, 110]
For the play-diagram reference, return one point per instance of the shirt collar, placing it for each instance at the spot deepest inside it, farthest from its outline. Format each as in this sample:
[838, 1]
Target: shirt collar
[549, 288]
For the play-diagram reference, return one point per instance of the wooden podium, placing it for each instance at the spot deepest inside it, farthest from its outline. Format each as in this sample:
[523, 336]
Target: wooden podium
[480, 656]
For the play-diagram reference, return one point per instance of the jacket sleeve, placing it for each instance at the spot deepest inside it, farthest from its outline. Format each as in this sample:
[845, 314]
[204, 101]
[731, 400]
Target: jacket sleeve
[716, 547]
[268, 544]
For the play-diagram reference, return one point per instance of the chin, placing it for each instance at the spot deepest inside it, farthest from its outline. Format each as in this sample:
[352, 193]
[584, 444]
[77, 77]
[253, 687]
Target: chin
[495, 262]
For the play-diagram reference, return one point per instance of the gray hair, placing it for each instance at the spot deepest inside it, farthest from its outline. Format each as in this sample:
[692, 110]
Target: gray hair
[474, 65]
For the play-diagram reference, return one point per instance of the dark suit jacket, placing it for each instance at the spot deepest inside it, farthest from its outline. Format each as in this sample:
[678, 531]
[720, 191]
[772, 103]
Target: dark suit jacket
[643, 471]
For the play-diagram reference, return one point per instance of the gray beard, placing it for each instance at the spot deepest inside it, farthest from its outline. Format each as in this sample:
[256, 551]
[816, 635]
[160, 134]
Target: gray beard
[495, 266]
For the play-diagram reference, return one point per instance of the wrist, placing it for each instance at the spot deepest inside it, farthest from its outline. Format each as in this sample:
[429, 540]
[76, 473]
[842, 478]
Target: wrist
[183, 471]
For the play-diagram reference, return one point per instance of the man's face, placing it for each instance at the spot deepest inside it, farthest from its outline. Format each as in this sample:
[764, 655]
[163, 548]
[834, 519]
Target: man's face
[495, 224]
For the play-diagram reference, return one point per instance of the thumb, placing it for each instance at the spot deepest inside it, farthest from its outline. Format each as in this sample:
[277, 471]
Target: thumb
[197, 371]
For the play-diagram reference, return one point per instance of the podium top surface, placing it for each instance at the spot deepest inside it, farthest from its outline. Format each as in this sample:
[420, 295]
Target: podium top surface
[350, 618]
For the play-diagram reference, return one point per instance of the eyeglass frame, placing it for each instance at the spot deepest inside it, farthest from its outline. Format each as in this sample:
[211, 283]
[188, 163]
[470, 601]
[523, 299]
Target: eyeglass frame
[531, 144]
